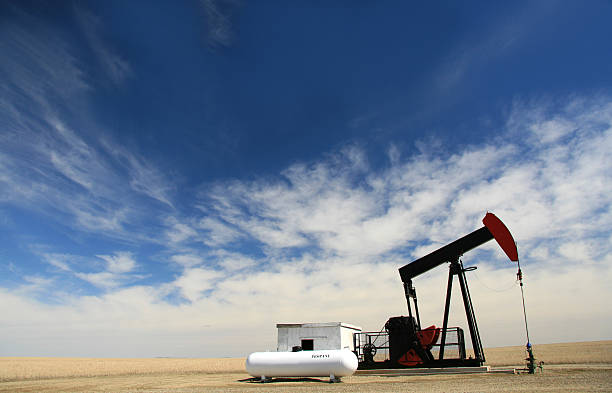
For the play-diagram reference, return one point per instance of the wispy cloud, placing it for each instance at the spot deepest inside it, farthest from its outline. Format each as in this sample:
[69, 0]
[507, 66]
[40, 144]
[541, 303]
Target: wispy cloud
[187, 260]
[233, 261]
[497, 37]
[195, 281]
[35, 65]
[53, 158]
[60, 261]
[340, 207]
[50, 168]
[323, 241]
[119, 263]
[116, 67]
[216, 233]
[219, 14]
[118, 269]
[142, 176]
[179, 232]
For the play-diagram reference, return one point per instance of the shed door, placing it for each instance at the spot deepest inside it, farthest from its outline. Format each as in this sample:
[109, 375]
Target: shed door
[307, 345]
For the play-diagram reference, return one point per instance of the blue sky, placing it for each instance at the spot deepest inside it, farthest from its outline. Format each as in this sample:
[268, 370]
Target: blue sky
[177, 178]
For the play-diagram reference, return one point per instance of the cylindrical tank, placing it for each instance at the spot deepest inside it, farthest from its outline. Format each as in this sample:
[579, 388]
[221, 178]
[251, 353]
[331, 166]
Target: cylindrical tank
[339, 363]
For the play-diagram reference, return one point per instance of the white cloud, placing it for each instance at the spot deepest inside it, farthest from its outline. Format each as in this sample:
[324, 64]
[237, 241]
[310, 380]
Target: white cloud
[34, 285]
[193, 282]
[187, 260]
[51, 169]
[230, 261]
[118, 270]
[552, 130]
[36, 62]
[320, 241]
[497, 37]
[100, 279]
[180, 232]
[218, 233]
[218, 15]
[145, 178]
[52, 159]
[323, 241]
[114, 65]
[121, 262]
[97, 218]
[72, 172]
[60, 261]
[326, 205]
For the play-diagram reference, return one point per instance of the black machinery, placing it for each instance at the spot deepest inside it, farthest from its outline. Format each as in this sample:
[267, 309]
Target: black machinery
[405, 342]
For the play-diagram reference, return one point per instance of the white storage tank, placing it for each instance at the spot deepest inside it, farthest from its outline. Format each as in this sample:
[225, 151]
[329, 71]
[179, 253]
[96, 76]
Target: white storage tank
[332, 363]
[316, 336]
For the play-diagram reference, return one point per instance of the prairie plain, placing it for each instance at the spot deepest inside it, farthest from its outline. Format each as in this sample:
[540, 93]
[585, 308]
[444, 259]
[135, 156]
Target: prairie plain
[568, 367]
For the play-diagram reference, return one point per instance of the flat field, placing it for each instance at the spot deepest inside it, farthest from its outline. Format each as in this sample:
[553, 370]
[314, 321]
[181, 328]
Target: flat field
[569, 367]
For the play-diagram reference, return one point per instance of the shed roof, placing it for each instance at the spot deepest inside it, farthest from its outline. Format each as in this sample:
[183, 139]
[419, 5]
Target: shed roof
[318, 325]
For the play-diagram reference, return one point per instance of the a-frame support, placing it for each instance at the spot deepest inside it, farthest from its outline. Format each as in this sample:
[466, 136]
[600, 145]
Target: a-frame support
[456, 269]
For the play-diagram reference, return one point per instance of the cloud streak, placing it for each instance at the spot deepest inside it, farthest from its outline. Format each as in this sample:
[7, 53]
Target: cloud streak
[118, 269]
[323, 241]
[115, 67]
[560, 177]
[49, 151]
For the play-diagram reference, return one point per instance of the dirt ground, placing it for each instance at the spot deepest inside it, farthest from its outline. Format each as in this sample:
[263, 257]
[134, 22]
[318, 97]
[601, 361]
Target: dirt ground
[589, 378]
[167, 375]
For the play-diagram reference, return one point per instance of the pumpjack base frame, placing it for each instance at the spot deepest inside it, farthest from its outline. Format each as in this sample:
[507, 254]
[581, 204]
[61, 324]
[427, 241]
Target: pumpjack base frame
[387, 364]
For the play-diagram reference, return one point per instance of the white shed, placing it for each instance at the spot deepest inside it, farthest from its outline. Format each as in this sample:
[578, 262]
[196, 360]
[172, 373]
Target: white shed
[315, 336]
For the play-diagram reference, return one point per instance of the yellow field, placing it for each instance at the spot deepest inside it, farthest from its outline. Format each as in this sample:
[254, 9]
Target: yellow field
[17, 369]
[591, 352]
[572, 367]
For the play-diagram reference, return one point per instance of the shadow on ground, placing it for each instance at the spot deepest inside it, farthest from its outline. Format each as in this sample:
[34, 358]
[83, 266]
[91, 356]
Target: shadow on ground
[275, 380]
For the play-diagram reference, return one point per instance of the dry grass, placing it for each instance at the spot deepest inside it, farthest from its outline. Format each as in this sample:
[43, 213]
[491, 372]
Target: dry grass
[15, 369]
[584, 379]
[576, 367]
[591, 352]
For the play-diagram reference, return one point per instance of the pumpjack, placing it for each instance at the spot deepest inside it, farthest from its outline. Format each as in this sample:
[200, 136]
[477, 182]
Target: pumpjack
[410, 345]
